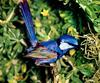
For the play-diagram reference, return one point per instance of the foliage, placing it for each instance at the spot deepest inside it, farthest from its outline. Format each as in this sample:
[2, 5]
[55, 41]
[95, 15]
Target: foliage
[52, 18]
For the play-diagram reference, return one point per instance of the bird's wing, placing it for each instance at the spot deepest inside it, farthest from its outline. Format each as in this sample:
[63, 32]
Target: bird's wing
[52, 45]
[42, 53]
[41, 62]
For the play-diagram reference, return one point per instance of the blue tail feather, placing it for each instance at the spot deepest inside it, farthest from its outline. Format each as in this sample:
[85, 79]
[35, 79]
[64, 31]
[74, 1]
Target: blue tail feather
[28, 22]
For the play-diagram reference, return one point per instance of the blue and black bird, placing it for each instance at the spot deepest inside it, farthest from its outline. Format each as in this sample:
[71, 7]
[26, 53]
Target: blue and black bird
[47, 51]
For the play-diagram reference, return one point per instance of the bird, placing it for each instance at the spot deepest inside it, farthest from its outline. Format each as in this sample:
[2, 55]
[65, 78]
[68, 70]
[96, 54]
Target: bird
[49, 51]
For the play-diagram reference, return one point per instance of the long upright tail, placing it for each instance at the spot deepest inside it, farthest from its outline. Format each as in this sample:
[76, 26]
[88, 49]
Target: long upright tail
[28, 22]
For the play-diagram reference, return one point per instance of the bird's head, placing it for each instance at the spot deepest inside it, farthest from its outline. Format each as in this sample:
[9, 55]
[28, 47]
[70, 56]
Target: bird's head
[67, 42]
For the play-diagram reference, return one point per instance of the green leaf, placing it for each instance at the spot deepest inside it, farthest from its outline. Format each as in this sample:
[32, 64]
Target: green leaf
[23, 68]
[86, 69]
[97, 25]
[75, 78]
